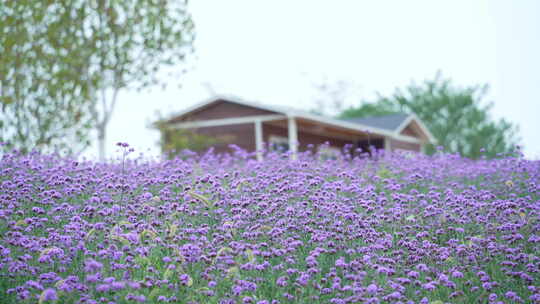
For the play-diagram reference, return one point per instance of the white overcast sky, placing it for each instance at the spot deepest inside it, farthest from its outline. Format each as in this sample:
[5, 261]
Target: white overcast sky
[273, 51]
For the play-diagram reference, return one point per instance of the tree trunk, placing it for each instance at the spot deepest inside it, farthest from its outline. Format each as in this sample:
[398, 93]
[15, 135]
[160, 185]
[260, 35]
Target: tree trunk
[102, 124]
[101, 141]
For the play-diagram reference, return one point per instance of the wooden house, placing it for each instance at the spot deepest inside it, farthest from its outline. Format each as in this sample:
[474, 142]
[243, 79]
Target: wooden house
[254, 127]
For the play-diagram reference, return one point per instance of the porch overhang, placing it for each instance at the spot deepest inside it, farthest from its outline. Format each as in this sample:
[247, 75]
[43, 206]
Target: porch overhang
[305, 123]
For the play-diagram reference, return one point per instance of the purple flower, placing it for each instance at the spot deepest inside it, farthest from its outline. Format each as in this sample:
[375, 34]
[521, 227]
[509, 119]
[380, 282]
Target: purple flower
[92, 278]
[103, 287]
[413, 274]
[340, 263]
[325, 231]
[457, 274]
[394, 295]
[430, 286]
[303, 279]
[422, 267]
[166, 259]
[92, 265]
[34, 284]
[47, 295]
[372, 289]
[134, 285]
[109, 280]
[185, 279]
[512, 296]
[281, 281]
[118, 285]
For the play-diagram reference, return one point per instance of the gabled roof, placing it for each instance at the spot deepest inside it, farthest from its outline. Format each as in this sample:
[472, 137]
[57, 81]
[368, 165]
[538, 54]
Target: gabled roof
[233, 99]
[375, 126]
[388, 122]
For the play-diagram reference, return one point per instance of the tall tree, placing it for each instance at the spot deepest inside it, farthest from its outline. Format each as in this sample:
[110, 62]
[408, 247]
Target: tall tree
[104, 45]
[44, 102]
[128, 43]
[458, 117]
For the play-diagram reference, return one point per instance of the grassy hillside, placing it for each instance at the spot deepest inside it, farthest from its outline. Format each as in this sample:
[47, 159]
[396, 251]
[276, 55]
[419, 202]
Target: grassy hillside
[228, 229]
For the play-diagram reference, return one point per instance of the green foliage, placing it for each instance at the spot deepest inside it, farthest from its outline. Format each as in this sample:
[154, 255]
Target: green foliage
[382, 107]
[457, 117]
[64, 62]
[173, 141]
[43, 100]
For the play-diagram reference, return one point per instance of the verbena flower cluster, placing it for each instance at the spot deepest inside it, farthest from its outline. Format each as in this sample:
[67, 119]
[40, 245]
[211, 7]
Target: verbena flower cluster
[212, 228]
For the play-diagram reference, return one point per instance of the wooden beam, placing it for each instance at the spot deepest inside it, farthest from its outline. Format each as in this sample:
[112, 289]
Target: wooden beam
[225, 121]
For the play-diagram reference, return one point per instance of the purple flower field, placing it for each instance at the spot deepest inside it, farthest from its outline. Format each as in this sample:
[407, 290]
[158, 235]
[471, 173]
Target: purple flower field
[228, 229]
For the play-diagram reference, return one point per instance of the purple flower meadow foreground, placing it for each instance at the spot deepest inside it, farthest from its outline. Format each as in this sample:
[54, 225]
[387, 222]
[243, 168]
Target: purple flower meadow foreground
[404, 228]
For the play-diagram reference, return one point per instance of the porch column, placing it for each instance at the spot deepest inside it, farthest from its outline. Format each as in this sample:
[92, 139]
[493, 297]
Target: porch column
[387, 146]
[259, 139]
[293, 137]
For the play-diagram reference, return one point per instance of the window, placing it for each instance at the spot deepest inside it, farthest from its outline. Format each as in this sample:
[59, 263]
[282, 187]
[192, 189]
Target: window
[278, 143]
